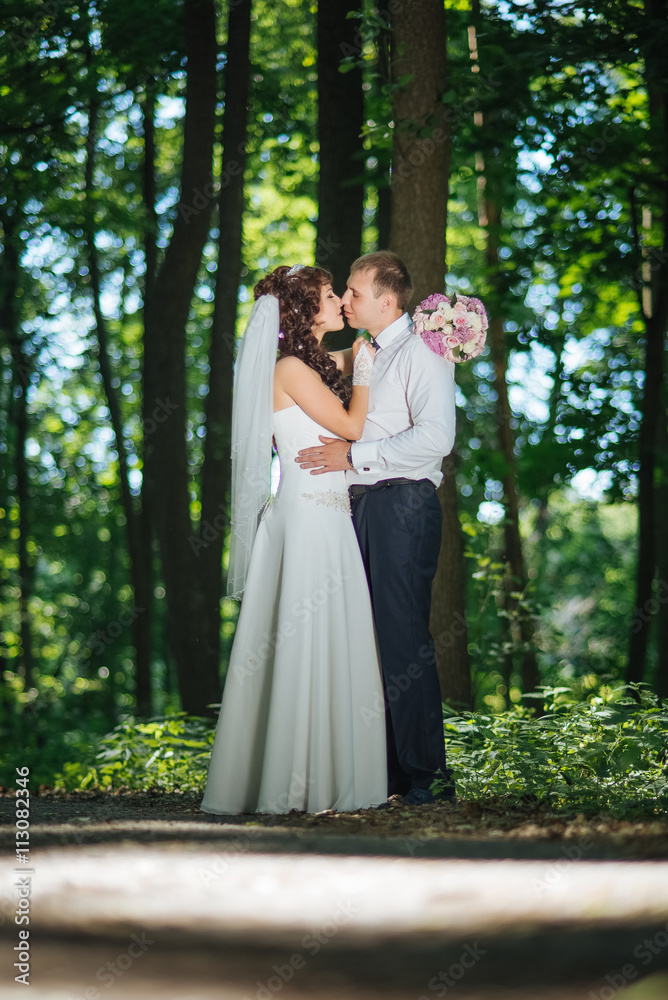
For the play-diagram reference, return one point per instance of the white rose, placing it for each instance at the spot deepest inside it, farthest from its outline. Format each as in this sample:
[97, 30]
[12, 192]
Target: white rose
[447, 312]
[475, 322]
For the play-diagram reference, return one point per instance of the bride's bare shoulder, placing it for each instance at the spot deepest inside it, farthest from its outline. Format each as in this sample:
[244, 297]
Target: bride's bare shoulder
[289, 361]
[291, 367]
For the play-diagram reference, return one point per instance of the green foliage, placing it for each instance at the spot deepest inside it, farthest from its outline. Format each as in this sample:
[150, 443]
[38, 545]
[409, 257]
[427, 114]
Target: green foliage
[586, 555]
[558, 118]
[170, 754]
[56, 721]
[602, 755]
[580, 557]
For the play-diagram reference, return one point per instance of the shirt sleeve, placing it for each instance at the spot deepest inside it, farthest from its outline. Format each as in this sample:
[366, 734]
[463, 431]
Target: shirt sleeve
[430, 395]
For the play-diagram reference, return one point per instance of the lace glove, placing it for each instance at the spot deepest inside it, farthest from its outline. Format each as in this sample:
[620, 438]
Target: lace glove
[362, 366]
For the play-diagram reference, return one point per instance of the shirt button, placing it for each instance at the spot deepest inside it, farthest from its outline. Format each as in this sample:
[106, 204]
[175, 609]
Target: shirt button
[366, 469]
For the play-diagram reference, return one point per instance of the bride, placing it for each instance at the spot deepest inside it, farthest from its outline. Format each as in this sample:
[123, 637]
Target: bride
[297, 727]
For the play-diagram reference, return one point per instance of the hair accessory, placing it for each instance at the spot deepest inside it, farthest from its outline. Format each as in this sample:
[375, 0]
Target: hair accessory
[294, 269]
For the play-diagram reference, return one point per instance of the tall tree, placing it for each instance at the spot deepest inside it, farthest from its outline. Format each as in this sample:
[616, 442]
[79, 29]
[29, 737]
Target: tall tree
[340, 118]
[32, 136]
[216, 463]
[495, 160]
[380, 87]
[139, 553]
[166, 465]
[652, 286]
[10, 327]
[143, 541]
[420, 182]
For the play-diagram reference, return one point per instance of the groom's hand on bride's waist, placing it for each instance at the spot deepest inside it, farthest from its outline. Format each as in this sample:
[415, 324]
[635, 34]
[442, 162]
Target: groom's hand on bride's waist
[330, 456]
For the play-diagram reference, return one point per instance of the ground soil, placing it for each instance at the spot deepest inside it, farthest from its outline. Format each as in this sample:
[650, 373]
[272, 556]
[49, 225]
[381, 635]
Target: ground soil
[102, 859]
[99, 816]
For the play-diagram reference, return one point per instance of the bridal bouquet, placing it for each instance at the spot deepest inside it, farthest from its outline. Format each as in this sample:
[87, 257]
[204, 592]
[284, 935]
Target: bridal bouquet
[454, 329]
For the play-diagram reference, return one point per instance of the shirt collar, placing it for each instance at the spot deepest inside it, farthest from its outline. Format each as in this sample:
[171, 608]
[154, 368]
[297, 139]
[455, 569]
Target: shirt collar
[394, 330]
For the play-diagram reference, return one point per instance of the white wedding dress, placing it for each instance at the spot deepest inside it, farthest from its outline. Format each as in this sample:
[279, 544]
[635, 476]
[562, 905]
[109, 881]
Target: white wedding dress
[302, 722]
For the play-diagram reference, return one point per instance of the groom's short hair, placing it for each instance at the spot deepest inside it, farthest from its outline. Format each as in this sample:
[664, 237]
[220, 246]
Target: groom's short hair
[390, 275]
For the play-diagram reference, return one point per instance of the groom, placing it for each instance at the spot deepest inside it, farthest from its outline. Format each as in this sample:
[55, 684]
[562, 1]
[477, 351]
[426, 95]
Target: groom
[392, 474]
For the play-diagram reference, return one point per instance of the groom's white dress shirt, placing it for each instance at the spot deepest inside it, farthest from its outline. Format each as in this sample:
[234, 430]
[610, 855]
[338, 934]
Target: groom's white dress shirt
[410, 425]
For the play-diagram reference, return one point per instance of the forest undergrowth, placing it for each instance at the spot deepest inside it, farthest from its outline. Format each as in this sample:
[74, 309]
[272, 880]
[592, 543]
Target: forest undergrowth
[606, 754]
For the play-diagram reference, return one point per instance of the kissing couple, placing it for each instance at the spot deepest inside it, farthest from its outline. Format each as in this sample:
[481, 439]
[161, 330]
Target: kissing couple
[332, 700]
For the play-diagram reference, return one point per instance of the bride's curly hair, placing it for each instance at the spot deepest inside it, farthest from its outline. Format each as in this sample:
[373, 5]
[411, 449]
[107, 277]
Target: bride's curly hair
[299, 298]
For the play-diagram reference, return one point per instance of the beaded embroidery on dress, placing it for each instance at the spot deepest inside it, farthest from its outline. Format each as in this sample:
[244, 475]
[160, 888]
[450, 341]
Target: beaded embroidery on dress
[302, 722]
[331, 498]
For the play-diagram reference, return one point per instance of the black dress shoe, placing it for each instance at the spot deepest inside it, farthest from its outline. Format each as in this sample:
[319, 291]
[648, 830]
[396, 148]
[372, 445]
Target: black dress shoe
[425, 797]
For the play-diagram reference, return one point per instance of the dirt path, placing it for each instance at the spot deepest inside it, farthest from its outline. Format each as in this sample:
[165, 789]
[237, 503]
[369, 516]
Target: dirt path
[139, 896]
[440, 830]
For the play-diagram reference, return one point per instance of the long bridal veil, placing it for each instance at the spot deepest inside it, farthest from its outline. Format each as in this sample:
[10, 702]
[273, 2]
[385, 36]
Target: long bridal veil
[252, 412]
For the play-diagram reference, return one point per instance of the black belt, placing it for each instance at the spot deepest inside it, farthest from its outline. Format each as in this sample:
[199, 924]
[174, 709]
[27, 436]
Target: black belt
[358, 488]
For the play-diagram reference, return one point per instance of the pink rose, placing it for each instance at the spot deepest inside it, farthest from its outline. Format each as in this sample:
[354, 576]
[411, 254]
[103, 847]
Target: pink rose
[434, 341]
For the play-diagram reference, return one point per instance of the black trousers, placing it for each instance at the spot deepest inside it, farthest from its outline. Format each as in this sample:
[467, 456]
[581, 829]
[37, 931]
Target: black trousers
[399, 532]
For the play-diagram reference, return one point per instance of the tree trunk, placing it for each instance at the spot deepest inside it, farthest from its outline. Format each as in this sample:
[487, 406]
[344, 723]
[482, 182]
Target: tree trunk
[165, 452]
[490, 193]
[149, 192]
[648, 518]
[420, 165]
[132, 524]
[340, 117]
[653, 461]
[380, 83]
[18, 402]
[216, 467]
[143, 572]
[420, 176]
[658, 10]
[448, 617]
[26, 567]
[383, 218]
[516, 580]
[661, 681]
